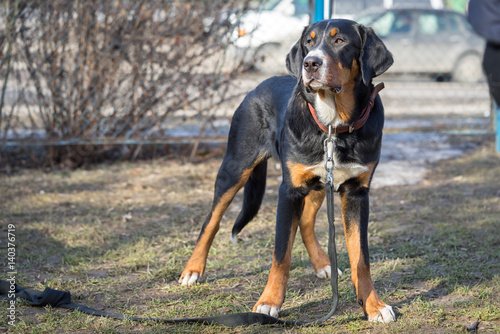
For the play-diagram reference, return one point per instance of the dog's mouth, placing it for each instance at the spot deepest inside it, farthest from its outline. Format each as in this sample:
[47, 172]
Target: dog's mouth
[315, 86]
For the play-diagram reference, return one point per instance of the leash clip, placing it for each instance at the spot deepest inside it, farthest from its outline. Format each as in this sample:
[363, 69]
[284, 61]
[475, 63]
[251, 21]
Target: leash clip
[329, 164]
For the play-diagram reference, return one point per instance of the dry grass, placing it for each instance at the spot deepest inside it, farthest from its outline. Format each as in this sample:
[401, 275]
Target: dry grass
[117, 236]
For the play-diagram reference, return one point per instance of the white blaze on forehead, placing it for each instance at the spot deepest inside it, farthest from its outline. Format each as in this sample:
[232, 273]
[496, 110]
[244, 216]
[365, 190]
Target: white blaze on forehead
[329, 30]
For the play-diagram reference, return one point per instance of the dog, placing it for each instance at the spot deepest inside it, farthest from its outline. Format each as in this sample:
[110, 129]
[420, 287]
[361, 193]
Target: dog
[330, 83]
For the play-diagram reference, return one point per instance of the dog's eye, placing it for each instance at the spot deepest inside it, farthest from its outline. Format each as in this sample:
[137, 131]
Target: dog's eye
[310, 38]
[339, 41]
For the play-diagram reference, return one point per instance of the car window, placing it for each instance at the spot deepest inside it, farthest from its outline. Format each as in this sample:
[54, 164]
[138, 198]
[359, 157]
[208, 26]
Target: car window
[383, 24]
[462, 22]
[431, 24]
[402, 23]
[453, 22]
[458, 23]
[428, 24]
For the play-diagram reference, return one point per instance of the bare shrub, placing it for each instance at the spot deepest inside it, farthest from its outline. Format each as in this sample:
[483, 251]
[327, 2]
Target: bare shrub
[107, 71]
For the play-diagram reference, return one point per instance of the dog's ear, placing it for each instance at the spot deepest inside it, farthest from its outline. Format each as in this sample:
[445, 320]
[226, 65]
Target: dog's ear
[295, 57]
[374, 59]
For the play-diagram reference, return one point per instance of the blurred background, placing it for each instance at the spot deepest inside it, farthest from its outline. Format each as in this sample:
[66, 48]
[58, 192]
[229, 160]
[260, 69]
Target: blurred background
[89, 80]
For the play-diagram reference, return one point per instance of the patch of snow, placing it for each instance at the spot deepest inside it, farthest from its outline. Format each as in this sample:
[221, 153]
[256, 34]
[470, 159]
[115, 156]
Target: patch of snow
[405, 157]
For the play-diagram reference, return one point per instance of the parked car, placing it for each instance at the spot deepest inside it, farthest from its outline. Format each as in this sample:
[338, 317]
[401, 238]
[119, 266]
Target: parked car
[270, 31]
[430, 41]
[349, 9]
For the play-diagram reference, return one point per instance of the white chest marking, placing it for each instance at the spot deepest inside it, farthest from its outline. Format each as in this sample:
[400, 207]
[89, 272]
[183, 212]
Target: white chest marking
[325, 109]
[327, 114]
[341, 171]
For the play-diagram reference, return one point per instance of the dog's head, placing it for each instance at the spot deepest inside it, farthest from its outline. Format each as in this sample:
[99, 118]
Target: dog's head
[333, 53]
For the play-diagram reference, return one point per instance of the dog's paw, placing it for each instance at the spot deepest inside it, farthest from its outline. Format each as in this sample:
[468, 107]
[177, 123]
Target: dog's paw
[273, 311]
[385, 315]
[326, 272]
[190, 279]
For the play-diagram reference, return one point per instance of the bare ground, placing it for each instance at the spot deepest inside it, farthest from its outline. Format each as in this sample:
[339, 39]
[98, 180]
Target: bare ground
[117, 236]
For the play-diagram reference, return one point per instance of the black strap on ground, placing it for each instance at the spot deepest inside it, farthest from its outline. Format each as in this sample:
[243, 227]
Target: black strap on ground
[62, 299]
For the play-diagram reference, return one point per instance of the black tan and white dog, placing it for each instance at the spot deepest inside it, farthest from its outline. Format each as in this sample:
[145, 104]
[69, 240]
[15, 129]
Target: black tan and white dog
[331, 67]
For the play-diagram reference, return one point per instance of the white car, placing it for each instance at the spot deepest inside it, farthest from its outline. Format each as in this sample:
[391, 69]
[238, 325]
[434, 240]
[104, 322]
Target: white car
[270, 32]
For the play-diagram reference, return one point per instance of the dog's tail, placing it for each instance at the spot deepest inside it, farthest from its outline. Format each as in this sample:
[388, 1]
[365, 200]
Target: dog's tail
[252, 198]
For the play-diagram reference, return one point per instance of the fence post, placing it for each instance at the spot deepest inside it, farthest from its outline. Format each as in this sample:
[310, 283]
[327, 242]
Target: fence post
[323, 9]
[496, 123]
[319, 10]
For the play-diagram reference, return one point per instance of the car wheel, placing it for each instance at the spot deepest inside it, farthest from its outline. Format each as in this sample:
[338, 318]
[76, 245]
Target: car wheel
[468, 69]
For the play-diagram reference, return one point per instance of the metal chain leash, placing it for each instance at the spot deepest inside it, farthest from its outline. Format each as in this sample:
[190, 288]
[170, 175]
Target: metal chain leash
[329, 164]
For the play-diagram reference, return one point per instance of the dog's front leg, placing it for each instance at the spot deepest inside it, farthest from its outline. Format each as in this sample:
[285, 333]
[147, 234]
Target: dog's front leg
[287, 221]
[355, 213]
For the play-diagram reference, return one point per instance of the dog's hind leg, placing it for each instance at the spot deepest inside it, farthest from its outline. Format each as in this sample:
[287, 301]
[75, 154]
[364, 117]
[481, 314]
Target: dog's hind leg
[252, 199]
[232, 175]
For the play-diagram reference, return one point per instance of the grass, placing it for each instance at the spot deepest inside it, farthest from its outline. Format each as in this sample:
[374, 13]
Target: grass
[117, 236]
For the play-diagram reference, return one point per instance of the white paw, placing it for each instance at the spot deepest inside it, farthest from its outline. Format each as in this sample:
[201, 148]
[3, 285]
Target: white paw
[385, 315]
[190, 279]
[326, 272]
[266, 309]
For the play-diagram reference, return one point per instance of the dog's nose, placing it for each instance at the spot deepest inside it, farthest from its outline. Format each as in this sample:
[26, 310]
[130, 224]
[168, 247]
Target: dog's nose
[312, 63]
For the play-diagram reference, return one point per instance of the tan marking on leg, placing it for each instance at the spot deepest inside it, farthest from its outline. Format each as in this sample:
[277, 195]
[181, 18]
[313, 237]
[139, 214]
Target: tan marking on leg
[197, 261]
[360, 271]
[275, 290]
[312, 203]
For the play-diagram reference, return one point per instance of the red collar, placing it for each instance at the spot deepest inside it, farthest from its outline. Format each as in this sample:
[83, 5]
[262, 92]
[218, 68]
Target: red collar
[356, 125]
